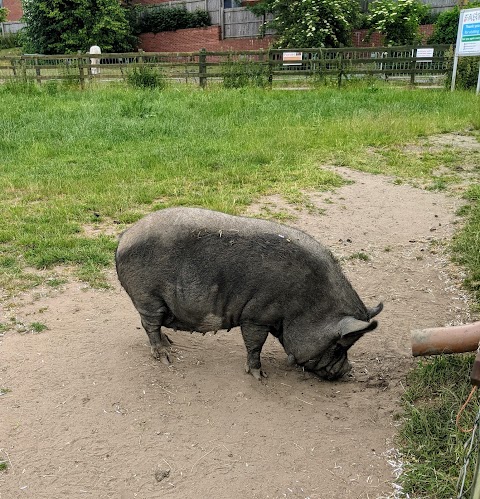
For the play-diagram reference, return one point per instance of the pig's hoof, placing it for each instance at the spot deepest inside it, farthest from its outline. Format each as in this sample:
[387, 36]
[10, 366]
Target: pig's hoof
[161, 354]
[258, 374]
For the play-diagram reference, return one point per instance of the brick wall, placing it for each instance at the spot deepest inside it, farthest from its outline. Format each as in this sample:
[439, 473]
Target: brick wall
[15, 9]
[376, 40]
[426, 31]
[194, 39]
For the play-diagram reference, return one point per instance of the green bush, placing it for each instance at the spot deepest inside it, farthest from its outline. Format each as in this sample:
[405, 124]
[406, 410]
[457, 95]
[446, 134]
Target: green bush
[310, 23]
[146, 77]
[3, 14]
[467, 71]
[64, 27]
[9, 41]
[446, 26]
[156, 19]
[398, 20]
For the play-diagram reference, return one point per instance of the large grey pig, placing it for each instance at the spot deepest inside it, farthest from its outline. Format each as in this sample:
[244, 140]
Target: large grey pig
[200, 270]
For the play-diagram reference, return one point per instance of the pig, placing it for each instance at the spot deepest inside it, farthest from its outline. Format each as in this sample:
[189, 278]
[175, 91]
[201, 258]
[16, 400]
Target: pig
[194, 269]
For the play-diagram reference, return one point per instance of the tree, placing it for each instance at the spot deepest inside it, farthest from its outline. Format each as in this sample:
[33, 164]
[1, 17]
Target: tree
[66, 26]
[310, 23]
[446, 26]
[397, 20]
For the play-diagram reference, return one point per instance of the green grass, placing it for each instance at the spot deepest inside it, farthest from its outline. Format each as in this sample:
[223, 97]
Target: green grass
[111, 154]
[359, 256]
[10, 51]
[466, 245]
[432, 446]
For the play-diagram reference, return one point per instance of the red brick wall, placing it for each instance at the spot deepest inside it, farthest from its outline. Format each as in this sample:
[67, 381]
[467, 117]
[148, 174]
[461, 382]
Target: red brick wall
[15, 9]
[194, 39]
[376, 40]
[358, 39]
[426, 31]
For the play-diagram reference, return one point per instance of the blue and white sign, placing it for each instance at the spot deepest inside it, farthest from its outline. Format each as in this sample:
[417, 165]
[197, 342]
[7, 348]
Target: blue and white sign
[468, 40]
[468, 35]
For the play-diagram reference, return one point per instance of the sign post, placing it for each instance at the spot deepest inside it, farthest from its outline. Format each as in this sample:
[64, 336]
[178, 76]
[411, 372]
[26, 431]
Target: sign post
[468, 39]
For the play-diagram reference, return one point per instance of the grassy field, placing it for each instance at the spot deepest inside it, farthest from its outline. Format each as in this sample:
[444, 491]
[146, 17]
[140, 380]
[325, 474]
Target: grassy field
[71, 158]
[71, 161]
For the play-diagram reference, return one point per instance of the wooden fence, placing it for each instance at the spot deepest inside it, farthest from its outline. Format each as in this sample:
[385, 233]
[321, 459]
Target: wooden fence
[411, 64]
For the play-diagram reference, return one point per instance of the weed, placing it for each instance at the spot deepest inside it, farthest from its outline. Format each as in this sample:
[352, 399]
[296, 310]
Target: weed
[438, 184]
[281, 216]
[3, 466]
[55, 282]
[146, 77]
[37, 327]
[244, 73]
[359, 256]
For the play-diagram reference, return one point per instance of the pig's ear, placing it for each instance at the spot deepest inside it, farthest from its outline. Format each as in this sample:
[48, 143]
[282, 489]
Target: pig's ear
[352, 329]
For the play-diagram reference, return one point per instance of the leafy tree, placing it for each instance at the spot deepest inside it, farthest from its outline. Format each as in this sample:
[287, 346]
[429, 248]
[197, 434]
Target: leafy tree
[66, 26]
[3, 14]
[446, 27]
[397, 20]
[310, 23]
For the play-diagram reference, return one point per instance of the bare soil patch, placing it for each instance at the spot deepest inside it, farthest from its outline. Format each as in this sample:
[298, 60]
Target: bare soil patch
[87, 413]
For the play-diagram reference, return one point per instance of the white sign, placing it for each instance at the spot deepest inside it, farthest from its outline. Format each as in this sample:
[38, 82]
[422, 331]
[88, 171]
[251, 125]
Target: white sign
[468, 34]
[424, 55]
[292, 58]
[468, 40]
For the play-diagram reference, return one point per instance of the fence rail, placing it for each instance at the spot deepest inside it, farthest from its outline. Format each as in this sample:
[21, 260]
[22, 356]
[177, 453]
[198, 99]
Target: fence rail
[414, 64]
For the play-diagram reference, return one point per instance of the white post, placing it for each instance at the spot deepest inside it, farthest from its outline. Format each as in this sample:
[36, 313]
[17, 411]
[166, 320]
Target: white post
[95, 49]
[454, 72]
[478, 80]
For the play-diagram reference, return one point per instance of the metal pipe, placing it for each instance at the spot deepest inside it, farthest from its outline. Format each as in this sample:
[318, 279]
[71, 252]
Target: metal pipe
[453, 339]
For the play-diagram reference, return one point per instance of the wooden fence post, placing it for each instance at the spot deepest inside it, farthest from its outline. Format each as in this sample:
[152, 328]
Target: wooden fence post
[413, 67]
[340, 70]
[23, 63]
[270, 68]
[14, 68]
[202, 68]
[81, 70]
[37, 71]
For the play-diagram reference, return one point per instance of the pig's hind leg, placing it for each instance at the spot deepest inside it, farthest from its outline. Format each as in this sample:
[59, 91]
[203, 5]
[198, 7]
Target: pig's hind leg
[254, 337]
[152, 322]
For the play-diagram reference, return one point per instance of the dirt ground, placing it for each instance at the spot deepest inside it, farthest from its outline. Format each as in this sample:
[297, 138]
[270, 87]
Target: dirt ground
[86, 412]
